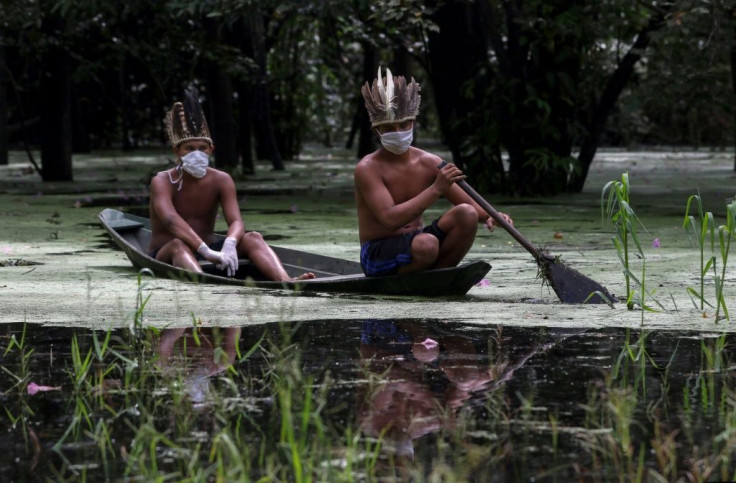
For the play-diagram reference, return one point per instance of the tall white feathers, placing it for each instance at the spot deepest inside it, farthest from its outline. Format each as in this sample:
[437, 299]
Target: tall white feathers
[387, 94]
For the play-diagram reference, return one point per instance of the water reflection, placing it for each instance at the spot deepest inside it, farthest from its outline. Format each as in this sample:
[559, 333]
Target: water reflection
[422, 374]
[380, 400]
[420, 378]
[196, 355]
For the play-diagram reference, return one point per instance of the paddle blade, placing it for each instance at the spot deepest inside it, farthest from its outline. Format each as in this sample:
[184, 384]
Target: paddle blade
[572, 287]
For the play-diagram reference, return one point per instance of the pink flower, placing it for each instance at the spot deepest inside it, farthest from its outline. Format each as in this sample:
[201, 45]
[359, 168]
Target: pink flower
[33, 388]
[483, 283]
[7, 249]
[429, 343]
[655, 243]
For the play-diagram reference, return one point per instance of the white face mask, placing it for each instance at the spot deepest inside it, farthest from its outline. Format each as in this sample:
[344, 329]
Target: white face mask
[397, 142]
[195, 163]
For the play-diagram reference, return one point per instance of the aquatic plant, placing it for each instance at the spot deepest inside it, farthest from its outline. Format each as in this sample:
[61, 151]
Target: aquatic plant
[635, 424]
[633, 358]
[617, 209]
[140, 301]
[705, 424]
[725, 235]
[24, 355]
[81, 364]
[703, 233]
[711, 390]
[611, 421]
[702, 229]
[23, 411]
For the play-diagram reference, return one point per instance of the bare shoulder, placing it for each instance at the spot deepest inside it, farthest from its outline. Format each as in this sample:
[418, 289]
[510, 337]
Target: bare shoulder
[428, 159]
[368, 159]
[161, 179]
[216, 173]
[220, 178]
[367, 164]
[160, 175]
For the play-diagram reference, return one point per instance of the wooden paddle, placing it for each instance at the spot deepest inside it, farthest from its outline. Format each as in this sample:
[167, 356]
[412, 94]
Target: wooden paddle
[571, 286]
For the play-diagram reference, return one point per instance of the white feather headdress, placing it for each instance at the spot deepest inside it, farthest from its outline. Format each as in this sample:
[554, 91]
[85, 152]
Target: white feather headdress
[391, 101]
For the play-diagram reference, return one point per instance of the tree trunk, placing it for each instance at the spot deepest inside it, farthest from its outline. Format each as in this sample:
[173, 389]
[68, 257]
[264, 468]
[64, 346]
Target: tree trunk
[220, 95]
[81, 142]
[244, 88]
[448, 71]
[266, 145]
[124, 114]
[361, 121]
[245, 127]
[3, 109]
[610, 95]
[401, 64]
[223, 122]
[534, 112]
[55, 86]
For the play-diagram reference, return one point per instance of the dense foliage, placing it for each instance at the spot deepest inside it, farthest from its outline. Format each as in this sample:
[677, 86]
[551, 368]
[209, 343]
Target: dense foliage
[521, 91]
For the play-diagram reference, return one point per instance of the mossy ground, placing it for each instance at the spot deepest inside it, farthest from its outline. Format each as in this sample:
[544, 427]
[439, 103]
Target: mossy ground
[82, 281]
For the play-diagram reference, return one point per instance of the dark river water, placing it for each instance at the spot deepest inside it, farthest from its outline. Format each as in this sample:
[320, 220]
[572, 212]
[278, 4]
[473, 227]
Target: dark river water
[377, 400]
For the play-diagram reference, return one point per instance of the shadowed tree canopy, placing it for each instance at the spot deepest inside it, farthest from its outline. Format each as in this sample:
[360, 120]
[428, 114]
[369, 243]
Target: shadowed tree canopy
[522, 92]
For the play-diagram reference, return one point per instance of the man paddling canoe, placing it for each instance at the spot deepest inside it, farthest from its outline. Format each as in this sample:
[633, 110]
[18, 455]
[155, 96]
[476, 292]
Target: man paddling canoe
[395, 185]
[185, 200]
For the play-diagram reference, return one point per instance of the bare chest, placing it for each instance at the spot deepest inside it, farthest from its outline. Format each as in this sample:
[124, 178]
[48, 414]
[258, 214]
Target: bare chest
[405, 183]
[196, 201]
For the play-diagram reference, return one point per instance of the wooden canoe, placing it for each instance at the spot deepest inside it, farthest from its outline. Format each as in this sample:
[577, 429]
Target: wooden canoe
[132, 234]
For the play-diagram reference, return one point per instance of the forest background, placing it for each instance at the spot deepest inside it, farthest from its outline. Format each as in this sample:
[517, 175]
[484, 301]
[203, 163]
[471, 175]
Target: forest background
[522, 92]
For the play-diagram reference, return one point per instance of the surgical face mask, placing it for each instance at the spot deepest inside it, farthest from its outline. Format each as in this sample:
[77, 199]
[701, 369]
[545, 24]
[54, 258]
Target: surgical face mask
[195, 163]
[397, 142]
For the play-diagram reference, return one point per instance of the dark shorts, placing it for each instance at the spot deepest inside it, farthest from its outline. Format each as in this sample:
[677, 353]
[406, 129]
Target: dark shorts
[217, 246]
[386, 255]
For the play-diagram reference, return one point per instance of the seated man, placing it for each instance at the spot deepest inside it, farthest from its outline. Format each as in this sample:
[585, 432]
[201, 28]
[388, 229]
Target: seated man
[185, 200]
[395, 185]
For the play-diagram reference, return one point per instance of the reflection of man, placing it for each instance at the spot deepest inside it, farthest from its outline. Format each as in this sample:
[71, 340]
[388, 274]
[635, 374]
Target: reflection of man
[199, 355]
[421, 378]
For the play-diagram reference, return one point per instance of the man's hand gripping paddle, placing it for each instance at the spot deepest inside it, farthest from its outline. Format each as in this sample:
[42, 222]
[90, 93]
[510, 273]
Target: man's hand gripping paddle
[571, 286]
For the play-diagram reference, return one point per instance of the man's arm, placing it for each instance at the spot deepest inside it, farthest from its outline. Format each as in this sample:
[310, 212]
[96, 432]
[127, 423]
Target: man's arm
[456, 195]
[235, 225]
[161, 194]
[381, 203]
[230, 208]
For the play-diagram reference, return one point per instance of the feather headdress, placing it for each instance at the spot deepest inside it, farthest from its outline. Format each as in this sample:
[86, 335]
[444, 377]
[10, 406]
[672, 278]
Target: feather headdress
[391, 101]
[186, 122]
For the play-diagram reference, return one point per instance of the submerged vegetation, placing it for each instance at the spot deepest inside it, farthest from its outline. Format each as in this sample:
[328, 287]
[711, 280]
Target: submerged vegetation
[378, 400]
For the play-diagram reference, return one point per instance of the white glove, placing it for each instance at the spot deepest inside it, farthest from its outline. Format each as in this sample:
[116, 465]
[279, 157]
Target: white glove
[229, 256]
[209, 254]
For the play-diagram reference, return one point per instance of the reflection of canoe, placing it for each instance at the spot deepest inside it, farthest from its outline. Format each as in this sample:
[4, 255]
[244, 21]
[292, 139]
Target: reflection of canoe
[132, 234]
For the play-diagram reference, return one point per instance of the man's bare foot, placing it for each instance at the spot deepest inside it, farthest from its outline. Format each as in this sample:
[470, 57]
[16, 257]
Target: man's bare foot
[304, 276]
